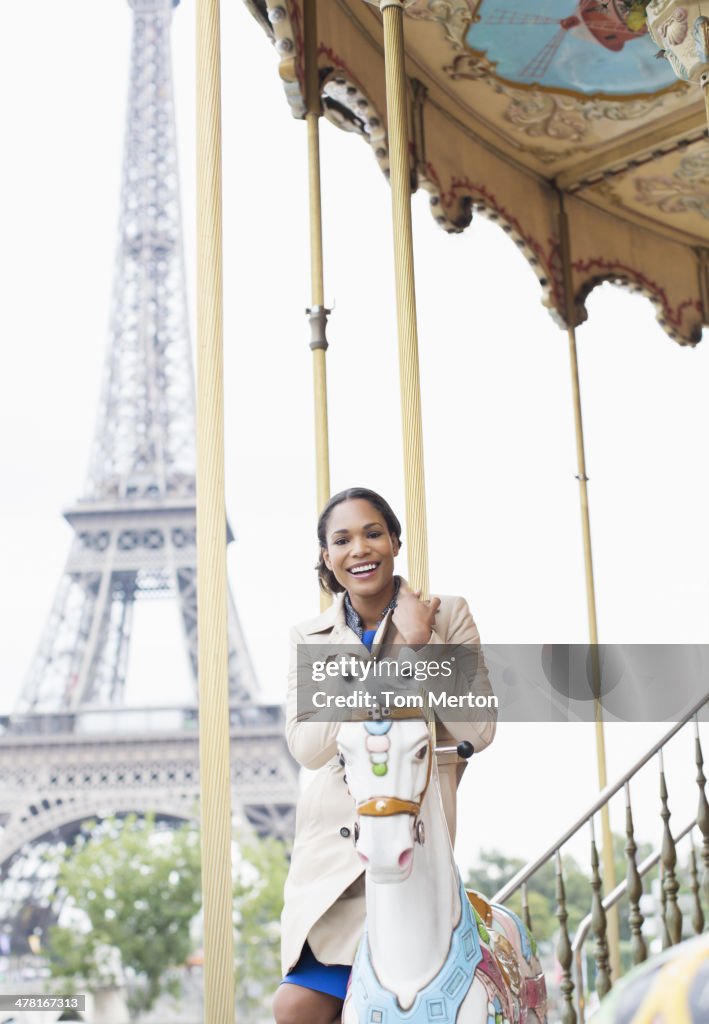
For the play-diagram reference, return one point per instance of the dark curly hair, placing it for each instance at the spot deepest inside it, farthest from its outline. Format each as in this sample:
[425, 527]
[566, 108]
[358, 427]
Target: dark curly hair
[326, 577]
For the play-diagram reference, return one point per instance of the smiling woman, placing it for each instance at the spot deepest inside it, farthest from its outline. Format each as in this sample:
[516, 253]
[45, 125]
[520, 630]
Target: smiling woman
[343, 533]
[359, 537]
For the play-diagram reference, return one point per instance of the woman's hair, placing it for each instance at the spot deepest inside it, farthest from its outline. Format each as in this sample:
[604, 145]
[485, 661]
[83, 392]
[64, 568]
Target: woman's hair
[326, 576]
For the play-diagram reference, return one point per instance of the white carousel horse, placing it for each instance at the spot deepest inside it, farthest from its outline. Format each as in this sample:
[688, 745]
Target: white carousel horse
[429, 954]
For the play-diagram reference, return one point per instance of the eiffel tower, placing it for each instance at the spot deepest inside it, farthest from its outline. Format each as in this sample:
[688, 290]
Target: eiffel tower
[74, 748]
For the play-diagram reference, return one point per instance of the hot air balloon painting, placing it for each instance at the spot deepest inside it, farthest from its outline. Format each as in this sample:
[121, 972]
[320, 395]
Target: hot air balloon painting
[585, 47]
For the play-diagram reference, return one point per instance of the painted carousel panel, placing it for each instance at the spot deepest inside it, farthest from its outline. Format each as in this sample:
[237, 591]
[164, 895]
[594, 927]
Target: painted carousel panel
[586, 47]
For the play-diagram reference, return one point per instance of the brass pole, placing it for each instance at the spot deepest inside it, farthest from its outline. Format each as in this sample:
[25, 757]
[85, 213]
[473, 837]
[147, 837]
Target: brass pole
[704, 82]
[211, 537]
[317, 312]
[397, 121]
[607, 837]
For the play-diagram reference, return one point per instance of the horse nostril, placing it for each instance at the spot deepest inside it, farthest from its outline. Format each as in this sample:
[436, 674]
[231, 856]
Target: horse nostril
[363, 857]
[405, 857]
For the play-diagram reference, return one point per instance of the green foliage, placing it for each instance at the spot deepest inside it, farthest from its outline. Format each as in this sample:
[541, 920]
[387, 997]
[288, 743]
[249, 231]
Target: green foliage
[495, 869]
[139, 887]
[258, 902]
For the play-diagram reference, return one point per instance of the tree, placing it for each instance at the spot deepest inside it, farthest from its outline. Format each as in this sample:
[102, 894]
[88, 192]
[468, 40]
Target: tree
[137, 885]
[495, 869]
[258, 902]
[134, 887]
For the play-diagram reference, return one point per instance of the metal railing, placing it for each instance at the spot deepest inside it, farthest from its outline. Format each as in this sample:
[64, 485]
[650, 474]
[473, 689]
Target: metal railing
[613, 897]
[568, 952]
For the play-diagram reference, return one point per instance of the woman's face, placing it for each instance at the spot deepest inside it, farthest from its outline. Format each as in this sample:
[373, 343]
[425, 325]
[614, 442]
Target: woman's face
[360, 550]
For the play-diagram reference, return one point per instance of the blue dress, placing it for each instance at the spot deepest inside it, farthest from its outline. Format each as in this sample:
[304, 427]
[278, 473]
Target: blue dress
[309, 972]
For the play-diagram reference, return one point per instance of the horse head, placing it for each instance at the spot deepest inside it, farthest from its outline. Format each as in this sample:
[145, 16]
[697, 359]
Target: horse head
[388, 766]
[425, 947]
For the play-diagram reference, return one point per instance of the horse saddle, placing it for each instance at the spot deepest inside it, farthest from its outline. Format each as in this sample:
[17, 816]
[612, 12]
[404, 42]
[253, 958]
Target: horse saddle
[502, 965]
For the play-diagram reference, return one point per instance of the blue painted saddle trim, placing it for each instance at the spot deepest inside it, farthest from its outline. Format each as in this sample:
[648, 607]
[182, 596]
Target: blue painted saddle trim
[440, 1000]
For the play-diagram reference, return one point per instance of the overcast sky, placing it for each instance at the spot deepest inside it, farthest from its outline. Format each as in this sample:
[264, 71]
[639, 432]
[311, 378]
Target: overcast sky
[504, 523]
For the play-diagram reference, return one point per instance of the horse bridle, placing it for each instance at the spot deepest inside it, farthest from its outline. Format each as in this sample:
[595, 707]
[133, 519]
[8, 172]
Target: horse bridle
[385, 806]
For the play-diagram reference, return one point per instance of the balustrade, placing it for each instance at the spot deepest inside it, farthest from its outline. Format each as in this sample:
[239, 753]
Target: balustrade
[634, 886]
[673, 888]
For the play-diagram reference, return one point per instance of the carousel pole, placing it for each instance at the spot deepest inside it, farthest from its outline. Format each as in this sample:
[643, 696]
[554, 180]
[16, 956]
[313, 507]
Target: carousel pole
[397, 122]
[317, 313]
[214, 742]
[606, 834]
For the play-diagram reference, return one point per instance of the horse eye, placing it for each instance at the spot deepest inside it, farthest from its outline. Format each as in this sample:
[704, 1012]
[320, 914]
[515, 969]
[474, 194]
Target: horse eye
[421, 753]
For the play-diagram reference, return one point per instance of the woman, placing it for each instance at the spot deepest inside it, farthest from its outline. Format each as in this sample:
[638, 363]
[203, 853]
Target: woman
[323, 916]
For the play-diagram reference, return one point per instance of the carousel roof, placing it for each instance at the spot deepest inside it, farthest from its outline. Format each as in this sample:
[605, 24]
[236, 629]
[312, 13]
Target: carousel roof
[514, 105]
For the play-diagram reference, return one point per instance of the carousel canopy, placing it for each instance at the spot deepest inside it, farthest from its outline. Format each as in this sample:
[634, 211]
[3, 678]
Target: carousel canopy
[518, 108]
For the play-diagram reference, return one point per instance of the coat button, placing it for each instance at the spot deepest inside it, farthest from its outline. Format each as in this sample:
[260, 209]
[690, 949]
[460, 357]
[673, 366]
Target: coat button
[345, 832]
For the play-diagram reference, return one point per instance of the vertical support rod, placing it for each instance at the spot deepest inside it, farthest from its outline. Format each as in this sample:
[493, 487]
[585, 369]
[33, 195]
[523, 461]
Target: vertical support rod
[606, 835]
[599, 923]
[634, 886]
[702, 812]
[564, 952]
[526, 916]
[666, 940]
[317, 312]
[670, 885]
[211, 536]
[410, 386]
[697, 912]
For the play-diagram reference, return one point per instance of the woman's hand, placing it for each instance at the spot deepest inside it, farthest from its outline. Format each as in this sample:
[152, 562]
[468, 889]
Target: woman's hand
[413, 617]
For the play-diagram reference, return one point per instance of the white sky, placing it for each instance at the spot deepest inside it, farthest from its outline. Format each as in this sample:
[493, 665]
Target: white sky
[503, 508]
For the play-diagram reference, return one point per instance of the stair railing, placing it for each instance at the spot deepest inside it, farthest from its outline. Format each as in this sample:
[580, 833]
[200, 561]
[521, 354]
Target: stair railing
[572, 1008]
[613, 897]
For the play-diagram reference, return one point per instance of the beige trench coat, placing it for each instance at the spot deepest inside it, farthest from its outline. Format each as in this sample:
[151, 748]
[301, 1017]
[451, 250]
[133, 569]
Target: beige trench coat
[324, 890]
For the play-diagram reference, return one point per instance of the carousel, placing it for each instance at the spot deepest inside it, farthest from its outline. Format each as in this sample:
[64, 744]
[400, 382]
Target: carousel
[581, 128]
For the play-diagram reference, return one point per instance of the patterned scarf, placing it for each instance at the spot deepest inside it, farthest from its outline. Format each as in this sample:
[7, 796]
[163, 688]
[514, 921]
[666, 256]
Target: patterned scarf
[352, 618]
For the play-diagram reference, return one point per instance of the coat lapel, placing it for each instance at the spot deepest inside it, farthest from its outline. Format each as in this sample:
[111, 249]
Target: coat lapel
[331, 628]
